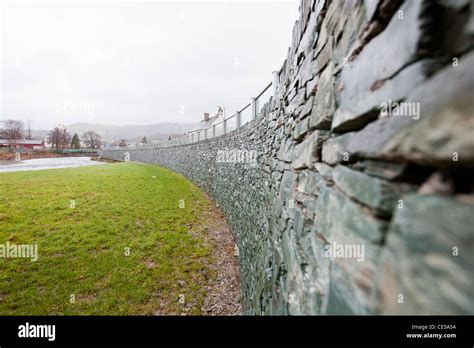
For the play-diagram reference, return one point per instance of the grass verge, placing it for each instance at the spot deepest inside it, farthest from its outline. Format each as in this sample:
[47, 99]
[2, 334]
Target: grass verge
[112, 239]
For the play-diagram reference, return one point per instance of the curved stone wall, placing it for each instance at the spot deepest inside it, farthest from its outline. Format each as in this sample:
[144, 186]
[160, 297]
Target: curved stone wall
[352, 191]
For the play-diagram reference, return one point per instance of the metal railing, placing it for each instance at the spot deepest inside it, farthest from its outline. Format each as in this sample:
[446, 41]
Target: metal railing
[227, 124]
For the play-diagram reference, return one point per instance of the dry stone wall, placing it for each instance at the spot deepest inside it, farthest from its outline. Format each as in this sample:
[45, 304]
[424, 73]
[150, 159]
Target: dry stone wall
[352, 191]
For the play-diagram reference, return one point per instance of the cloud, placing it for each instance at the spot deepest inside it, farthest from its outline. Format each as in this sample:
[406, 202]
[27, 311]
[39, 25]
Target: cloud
[139, 63]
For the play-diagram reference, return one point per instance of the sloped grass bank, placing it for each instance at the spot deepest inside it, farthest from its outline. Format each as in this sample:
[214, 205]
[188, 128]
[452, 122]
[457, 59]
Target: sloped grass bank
[113, 239]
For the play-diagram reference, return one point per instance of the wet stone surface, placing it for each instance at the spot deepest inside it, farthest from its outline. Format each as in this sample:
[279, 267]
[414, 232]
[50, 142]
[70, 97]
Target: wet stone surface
[348, 207]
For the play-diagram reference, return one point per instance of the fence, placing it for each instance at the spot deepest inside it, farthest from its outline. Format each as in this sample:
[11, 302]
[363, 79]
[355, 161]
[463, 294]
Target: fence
[241, 117]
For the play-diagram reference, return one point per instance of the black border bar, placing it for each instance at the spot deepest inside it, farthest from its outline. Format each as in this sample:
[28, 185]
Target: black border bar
[141, 330]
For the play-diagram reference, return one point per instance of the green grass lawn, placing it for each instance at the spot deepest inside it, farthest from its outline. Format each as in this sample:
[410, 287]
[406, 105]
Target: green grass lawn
[82, 250]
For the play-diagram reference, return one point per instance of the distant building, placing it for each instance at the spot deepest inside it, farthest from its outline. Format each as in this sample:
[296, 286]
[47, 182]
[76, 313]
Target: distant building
[207, 121]
[23, 144]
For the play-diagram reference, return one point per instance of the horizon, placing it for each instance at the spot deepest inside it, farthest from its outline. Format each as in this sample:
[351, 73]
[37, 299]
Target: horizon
[113, 125]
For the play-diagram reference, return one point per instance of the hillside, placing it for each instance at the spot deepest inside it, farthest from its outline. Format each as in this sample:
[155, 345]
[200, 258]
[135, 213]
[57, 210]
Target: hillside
[158, 131]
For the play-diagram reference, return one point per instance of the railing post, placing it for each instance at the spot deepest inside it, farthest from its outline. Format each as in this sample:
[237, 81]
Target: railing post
[192, 137]
[213, 130]
[224, 124]
[238, 120]
[276, 81]
[253, 108]
[199, 136]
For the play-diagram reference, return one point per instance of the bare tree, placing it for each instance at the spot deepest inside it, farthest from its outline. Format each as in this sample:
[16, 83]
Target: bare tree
[59, 138]
[92, 140]
[13, 131]
[54, 137]
[29, 136]
[64, 139]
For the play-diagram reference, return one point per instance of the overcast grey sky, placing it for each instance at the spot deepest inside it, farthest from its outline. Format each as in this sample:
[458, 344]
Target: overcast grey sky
[137, 62]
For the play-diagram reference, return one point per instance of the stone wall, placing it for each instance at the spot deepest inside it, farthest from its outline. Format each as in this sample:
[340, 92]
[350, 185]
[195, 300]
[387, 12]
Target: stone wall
[360, 198]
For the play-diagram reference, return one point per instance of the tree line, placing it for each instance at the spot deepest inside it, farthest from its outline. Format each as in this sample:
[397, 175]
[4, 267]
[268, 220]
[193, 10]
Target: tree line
[58, 137]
